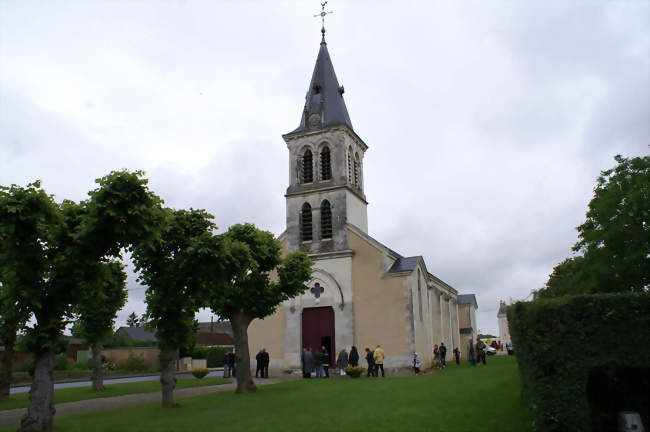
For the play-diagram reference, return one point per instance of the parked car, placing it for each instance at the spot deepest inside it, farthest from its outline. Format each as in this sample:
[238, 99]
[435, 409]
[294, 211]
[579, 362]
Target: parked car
[489, 350]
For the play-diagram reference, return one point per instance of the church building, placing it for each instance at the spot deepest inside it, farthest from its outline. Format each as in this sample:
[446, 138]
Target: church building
[362, 293]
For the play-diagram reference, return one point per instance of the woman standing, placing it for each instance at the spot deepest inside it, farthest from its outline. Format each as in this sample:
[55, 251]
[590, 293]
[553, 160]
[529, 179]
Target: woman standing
[342, 361]
[436, 356]
[353, 358]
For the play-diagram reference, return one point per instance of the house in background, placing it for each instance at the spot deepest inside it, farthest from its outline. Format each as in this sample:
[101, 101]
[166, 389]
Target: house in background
[135, 333]
[215, 334]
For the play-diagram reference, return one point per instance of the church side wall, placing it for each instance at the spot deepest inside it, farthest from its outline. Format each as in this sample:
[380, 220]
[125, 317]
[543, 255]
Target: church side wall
[382, 305]
[268, 333]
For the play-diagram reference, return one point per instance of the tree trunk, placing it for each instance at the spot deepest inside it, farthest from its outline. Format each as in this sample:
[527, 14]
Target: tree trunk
[7, 369]
[168, 375]
[98, 373]
[41, 396]
[240, 324]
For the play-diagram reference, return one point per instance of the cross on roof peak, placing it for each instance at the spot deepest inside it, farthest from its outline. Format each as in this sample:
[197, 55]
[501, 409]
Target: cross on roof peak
[323, 14]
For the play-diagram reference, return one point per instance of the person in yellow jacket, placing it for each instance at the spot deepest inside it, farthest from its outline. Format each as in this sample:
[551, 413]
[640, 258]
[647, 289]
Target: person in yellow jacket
[379, 361]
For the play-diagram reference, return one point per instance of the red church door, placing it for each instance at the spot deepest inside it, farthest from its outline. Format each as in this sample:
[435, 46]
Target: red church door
[318, 330]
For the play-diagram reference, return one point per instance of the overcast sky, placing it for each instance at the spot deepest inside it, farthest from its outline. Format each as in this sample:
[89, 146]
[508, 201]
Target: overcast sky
[487, 121]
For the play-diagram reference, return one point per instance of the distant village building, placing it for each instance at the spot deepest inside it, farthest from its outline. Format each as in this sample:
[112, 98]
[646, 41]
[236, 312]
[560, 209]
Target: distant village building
[362, 292]
[215, 334]
[504, 330]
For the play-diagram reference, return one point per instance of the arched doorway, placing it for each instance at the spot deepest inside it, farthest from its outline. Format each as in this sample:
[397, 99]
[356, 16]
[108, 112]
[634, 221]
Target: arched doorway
[318, 329]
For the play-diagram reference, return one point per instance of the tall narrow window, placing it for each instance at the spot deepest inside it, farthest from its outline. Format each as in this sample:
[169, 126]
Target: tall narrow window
[305, 223]
[419, 296]
[325, 166]
[350, 166]
[356, 170]
[307, 167]
[326, 220]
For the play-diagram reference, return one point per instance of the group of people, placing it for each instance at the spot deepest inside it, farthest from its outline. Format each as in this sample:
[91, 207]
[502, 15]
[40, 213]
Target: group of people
[478, 355]
[263, 359]
[319, 362]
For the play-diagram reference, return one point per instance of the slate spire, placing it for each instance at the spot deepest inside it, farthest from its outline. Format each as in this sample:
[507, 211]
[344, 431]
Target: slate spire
[324, 104]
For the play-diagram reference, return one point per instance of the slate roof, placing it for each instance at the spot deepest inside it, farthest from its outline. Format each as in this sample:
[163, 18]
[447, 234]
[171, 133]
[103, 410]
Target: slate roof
[216, 327]
[467, 299]
[404, 264]
[324, 97]
[137, 333]
[466, 330]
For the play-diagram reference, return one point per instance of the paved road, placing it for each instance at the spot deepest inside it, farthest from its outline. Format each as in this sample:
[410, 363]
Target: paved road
[87, 383]
[12, 417]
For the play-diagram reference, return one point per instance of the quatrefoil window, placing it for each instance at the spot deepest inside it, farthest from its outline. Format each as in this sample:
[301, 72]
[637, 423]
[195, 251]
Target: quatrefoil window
[317, 290]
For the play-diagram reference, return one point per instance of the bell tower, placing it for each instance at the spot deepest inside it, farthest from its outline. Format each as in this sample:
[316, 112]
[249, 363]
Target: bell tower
[325, 168]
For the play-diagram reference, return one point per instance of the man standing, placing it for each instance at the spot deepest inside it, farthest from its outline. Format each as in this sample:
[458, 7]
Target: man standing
[342, 361]
[227, 364]
[325, 360]
[371, 362]
[472, 359]
[378, 355]
[259, 361]
[266, 359]
[480, 352]
[307, 362]
[443, 354]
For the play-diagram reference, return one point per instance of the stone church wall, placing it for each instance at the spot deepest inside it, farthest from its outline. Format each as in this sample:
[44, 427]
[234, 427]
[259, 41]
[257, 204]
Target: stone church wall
[382, 305]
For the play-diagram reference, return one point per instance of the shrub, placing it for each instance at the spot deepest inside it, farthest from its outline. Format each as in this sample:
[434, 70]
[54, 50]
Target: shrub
[61, 362]
[213, 355]
[573, 351]
[135, 363]
[200, 373]
[354, 371]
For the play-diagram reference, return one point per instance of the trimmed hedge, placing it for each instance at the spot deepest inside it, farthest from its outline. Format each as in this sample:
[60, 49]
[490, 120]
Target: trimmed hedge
[213, 355]
[582, 359]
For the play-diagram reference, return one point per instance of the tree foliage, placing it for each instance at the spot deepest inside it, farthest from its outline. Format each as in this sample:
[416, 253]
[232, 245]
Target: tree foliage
[175, 292]
[614, 241]
[248, 279]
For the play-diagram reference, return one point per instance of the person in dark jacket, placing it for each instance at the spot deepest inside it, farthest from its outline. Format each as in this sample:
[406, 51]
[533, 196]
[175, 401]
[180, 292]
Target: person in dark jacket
[266, 359]
[353, 358]
[227, 364]
[325, 361]
[472, 358]
[371, 362]
[443, 354]
[318, 363]
[259, 358]
[457, 355]
[307, 362]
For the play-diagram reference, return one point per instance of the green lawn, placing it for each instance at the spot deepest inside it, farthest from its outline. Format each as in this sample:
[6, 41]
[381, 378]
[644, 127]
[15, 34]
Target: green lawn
[76, 394]
[460, 398]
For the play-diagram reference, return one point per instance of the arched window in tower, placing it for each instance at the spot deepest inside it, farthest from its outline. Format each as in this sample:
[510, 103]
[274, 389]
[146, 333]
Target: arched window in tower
[356, 171]
[305, 223]
[325, 166]
[350, 180]
[307, 167]
[326, 220]
[419, 295]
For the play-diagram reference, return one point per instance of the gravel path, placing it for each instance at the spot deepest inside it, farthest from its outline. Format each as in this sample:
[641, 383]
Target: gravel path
[12, 417]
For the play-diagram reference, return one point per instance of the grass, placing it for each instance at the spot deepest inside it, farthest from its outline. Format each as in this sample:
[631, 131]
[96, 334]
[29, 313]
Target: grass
[21, 400]
[459, 398]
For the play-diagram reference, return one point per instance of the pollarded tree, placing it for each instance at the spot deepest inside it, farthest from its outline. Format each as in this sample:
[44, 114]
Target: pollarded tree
[253, 281]
[49, 250]
[174, 292]
[99, 301]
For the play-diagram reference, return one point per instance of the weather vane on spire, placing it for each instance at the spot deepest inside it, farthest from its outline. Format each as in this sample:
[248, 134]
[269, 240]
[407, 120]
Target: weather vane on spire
[322, 15]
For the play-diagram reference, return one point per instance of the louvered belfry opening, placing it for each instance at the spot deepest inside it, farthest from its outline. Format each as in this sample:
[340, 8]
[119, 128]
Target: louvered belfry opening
[325, 166]
[326, 220]
[307, 167]
[356, 171]
[350, 166]
[305, 223]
